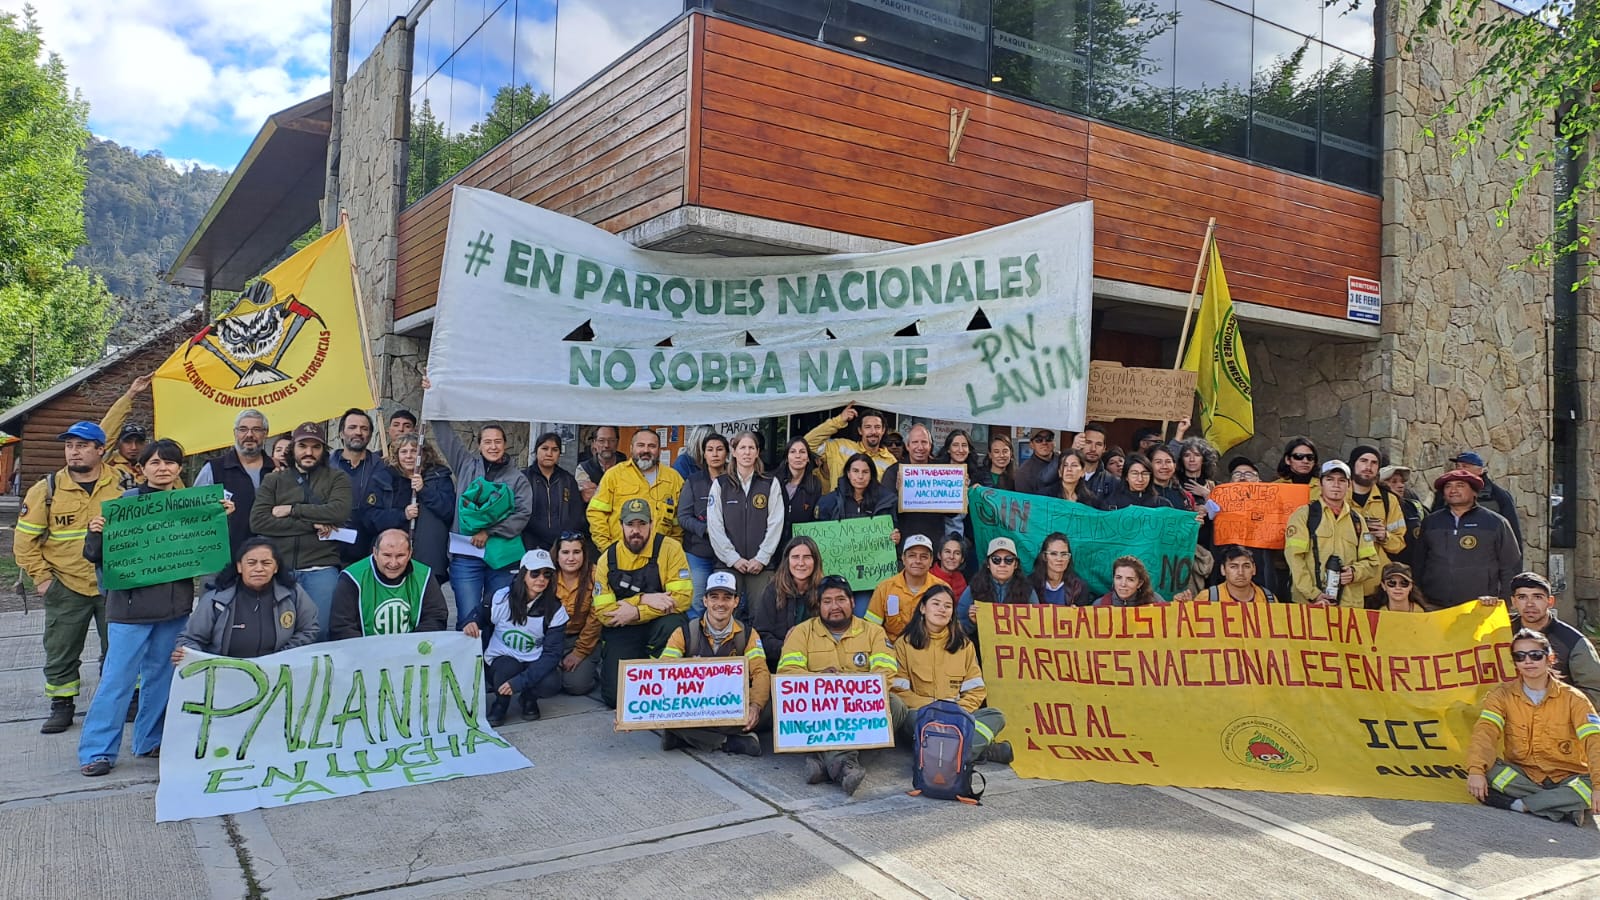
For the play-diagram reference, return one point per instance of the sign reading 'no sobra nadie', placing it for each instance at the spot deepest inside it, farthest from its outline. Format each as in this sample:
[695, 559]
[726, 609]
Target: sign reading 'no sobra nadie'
[990, 327]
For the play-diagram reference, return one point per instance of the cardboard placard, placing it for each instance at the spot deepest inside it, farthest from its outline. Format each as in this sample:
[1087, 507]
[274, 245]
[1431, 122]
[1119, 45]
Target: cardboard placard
[1255, 514]
[830, 711]
[858, 549]
[164, 536]
[936, 488]
[681, 693]
[1120, 392]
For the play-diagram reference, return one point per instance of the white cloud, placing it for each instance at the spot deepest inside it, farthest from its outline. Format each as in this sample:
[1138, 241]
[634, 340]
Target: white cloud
[150, 68]
[189, 165]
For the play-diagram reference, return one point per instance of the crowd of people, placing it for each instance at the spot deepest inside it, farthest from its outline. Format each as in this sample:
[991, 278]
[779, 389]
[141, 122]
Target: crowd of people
[563, 574]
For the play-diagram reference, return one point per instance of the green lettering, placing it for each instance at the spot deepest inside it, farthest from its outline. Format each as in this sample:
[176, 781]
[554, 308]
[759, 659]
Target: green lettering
[517, 264]
[590, 275]
[617, 289]
[206, 709]
[214, 783]
[355, 708]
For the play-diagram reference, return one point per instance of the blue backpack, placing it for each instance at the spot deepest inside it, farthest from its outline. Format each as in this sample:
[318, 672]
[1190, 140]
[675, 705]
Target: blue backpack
[942, 757]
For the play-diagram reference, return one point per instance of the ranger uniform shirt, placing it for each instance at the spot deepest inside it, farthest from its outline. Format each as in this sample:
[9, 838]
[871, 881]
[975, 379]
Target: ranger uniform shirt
[53, 524]
[811, 647]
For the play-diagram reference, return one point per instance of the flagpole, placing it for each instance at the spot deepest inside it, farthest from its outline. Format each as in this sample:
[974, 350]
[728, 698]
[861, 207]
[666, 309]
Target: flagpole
[366, 335]
[1194, 293]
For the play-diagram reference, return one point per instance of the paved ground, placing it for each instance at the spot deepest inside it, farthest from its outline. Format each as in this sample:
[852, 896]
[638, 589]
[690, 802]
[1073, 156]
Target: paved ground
[609, 815]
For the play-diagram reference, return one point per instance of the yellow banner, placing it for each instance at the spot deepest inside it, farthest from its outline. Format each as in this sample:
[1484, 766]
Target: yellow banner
[1216, 354]
[292, 347]
[1268, 697]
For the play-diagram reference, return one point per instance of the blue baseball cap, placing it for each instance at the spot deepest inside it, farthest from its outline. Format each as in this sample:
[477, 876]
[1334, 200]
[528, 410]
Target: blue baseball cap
[87, 431]
[1470, 457]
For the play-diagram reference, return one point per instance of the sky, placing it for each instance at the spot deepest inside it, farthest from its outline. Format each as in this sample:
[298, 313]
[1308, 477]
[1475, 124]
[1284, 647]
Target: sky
[194, 79]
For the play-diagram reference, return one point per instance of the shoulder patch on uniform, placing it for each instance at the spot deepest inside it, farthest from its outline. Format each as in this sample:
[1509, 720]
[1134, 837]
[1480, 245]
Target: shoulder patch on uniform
[22, 510]
[1291, 531]
[683, 573]
[372, 499]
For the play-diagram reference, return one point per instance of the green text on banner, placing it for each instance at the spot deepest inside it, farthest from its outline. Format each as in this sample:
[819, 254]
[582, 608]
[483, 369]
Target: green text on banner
[164, 536]
[858, 549]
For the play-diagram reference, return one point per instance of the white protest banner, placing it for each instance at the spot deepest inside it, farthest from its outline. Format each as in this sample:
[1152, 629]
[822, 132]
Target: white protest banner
[933, 488]
[618, 327]
[326, 720]
[680, 693]
[831, 711]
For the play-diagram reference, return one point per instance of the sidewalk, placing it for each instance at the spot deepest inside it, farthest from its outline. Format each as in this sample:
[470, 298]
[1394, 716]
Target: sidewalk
[603, 814]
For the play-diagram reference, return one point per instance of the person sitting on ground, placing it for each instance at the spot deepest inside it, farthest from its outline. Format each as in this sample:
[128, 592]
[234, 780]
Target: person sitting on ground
[1550, 737]
[527, 626]
[838, 641]
[938, 661]
[896, 597]
[642, 590]
[951, 565]
[790, 598]
[1130, 585]
[1053, 580]
[999, 581]
[252, 608]
[575, 588]
[1400, 591]
[715, 635]
[387, 593]
[1238, 577]
[1533, 605]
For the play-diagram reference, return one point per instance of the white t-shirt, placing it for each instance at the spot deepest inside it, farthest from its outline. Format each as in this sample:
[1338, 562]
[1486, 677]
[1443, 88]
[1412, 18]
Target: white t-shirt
[525, 642]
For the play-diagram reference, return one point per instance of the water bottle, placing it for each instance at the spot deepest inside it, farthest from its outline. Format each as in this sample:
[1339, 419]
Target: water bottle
[1335, 568]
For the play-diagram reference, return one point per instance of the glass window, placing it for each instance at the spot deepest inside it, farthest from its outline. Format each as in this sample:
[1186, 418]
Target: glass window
[802, 17]
[1131, 63]
[505, 109]
[468, 93]
[593, 34]
[1040, 50]
[424, 139]
[1350, 151]
[946, 37]
[469, 14]
[1351, 29]
[1303, 16]
[438, 24]
[1212, 75]
[536, 50]
[1283, 119]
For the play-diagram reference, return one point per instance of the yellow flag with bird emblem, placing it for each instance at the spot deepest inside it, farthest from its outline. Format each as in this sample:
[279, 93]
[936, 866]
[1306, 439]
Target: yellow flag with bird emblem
[1216, 355]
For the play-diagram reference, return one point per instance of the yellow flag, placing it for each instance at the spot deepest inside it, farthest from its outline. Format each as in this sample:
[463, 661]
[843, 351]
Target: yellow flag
[1216, 355]
[292, 347]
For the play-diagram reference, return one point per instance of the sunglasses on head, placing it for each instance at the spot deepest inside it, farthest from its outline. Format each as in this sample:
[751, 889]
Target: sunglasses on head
[1535, 655]
[1397, 582]
[1303, 457]
[1001, 560]
[833, 581]
[571, 536]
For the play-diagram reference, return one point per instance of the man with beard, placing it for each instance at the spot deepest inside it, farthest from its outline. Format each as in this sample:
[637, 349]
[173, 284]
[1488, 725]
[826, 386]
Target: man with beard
[240, 471]
[52, 525]
[642, 589]
[298, 506]
[602, 456]
[835, 452]
[387, 593]
[1534, 607]
[1094, 450]
[1383, 517]
[637, 478]
[355, 433]
[1040, 474]
[836, 641]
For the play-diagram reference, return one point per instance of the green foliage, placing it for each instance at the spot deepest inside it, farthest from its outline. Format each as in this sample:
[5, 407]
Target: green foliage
[435, 154]
[45, 333]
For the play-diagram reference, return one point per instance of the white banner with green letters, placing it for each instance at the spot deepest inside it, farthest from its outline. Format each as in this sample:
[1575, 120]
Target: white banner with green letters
[542, 317]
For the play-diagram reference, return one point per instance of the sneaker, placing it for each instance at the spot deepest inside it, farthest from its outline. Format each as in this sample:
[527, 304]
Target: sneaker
[671, 741]
[999, 752]
[96, 767]
[1580, 817]
[530, 710]
[152, 754]
[814, 772]
[133, 707]
[62, 710]
[746, 744]
[851, 777]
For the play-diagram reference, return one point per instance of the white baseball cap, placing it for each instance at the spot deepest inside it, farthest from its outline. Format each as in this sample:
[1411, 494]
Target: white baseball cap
[1335, 465]
[722, 581]
[534, 560]
[917, 540]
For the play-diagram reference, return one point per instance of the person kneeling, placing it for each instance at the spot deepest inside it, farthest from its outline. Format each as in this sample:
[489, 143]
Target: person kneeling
[717, 634]
[1540, 722]
[939, 662]
[527, 627]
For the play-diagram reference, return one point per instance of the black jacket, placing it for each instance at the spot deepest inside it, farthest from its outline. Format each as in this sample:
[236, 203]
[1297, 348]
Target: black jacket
[1495, 499]
[1459, 561]
[436, 509]
[228, 471]
[557, 507]
[141, 605]
[801, 507]
[692, 502]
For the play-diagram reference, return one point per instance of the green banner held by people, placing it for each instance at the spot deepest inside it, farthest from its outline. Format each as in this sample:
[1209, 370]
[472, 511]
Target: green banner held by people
[858, 549]
[1163, 539]
[164, 536]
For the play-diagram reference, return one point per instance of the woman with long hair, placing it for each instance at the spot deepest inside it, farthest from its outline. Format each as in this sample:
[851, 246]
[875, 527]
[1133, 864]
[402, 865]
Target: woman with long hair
[858, 493]
[692, 504]
[1164, 478]
[1137, 487]
[691, 461]
[1001, 580]
[1053, 579]
[231, 617]
[1400, 591]
[999, 468]
[1130, 585]
[1299, 463]
[414, 492]
[1072, 466]
[790, 598]
[575, 590]
[529, 629]
[558, 504]
[802, 486]
[744, 519]
[937, 660]
[1197, 464]
[950, 564]
[957, 450]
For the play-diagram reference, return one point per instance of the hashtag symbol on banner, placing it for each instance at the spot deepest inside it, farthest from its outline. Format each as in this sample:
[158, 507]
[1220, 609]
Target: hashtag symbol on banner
[479, 252]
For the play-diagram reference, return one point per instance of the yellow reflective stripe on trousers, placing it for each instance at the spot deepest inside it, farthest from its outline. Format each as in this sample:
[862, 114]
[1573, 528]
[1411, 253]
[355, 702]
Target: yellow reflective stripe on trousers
[983, 730]
[1583, 790]
[69, 689]
[1496, 718]
[1504, 777]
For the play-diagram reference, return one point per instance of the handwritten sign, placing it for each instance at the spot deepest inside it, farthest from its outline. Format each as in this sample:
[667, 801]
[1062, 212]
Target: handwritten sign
[933, 489]
[327, 720]
[831, 712]
[681, 693]
[858, 549]
[1116, 392]
[1254, 514]
[164, 536]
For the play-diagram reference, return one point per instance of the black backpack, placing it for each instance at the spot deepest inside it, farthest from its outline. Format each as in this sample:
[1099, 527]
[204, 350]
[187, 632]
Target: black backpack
[942, 763]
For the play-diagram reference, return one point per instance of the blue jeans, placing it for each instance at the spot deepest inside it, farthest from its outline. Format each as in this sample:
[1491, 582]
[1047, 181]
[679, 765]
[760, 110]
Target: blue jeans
[474, 583]
[133, 653]
[700, 568]
[319, 585]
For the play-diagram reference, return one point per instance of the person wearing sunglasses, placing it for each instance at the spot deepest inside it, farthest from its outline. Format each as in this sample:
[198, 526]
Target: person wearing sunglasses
[1001, 580]
[1536, 746]
[1299, 463]
[1038, 474]
[1533, 606]
[1400, 591]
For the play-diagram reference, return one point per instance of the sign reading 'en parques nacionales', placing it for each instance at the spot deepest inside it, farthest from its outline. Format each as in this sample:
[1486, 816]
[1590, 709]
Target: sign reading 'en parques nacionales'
[680, 693]
[831, 711]
[990, 327]
[326, 720]
[164, 536]
[857, 549]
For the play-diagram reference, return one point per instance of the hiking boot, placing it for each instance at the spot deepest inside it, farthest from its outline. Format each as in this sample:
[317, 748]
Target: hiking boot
[851, 776]
[498, 707]
[999, 752]
[62, 710]
[133, 707]
[814, 772]
[671, 741]
[747, 744]
[152, 754]
[96, 767]
[530, 709]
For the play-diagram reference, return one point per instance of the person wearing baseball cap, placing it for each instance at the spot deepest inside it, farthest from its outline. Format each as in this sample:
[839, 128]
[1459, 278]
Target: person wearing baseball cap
[1038, 473]
[1395, 478]
[527, 627]
[123, 456]
[387, 592]
[896, 597]
[52, 525]
[1491, 496]
[642, 591]
[1325, 528]
[1000, 580]
[1464, 551]
[299, 506]
[714, 634]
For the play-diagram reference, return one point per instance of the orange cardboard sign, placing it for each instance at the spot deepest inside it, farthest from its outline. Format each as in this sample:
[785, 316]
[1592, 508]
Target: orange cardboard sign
[1255, 513]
